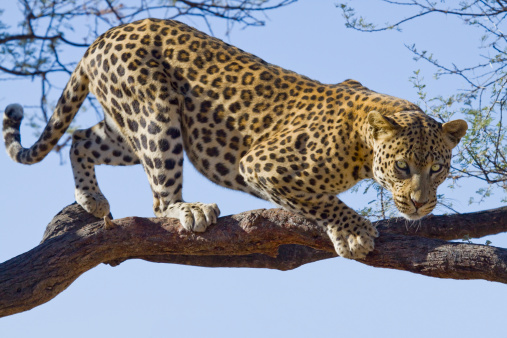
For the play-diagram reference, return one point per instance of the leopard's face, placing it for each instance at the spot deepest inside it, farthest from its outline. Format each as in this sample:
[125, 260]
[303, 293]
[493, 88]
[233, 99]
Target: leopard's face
[412, 157]
[412, 174]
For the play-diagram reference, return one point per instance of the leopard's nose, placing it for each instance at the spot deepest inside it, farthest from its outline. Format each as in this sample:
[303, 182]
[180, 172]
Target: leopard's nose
[418, 204]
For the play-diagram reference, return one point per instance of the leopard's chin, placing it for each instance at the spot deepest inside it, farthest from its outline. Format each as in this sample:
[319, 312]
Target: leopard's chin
[413, 216]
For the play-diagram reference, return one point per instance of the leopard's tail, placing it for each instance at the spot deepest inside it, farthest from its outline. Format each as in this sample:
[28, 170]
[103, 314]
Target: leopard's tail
[72, 97]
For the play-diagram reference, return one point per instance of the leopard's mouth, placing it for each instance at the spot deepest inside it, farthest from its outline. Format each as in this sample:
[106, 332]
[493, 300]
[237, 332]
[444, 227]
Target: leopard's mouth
[413, 213]
[410, 212]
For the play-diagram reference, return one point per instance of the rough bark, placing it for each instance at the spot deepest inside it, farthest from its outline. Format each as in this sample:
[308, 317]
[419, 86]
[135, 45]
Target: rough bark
[75, 242]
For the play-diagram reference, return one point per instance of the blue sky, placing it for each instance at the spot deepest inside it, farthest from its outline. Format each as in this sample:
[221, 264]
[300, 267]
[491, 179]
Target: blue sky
[336, 297]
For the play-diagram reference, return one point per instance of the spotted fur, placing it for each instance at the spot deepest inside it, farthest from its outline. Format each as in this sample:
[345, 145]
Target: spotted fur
[246, 125]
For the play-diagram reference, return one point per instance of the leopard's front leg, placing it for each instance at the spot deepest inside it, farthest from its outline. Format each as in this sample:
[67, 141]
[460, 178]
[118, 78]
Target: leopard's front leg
[352, 235]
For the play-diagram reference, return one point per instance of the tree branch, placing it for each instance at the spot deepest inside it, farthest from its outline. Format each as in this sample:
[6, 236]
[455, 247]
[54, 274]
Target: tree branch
[75, 242]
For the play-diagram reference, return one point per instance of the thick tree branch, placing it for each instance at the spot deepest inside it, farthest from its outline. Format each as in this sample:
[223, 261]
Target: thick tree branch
[75, 242]
[449, 227]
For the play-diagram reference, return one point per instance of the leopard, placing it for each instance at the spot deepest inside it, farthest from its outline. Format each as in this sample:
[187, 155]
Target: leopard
[167, 88]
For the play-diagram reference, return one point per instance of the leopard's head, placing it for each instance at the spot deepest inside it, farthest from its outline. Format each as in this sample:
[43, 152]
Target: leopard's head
[412, 157]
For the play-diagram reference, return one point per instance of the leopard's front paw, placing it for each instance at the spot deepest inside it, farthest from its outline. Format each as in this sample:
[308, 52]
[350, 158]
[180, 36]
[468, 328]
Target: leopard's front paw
[95, 204]
[354, 243]
[193, 216]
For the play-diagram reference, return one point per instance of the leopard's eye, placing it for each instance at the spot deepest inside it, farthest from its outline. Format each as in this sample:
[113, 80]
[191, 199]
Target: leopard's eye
[436, 168]
[402, 165]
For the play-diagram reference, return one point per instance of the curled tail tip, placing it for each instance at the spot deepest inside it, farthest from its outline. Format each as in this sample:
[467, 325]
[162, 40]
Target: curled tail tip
[14, 111]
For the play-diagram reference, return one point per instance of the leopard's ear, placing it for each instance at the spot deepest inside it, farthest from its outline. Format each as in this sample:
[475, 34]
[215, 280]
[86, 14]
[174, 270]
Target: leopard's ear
[383, 127]
[454, 131]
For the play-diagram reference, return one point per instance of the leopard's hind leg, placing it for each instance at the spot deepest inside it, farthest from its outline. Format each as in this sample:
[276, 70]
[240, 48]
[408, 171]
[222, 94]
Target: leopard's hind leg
[96, 145]
[160, 150]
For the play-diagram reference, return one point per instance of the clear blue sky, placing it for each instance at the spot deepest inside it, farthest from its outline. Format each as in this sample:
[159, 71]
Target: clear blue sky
[331, 298]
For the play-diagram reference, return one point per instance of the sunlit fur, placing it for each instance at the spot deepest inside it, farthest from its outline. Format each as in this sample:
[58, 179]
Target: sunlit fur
[245, 124]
